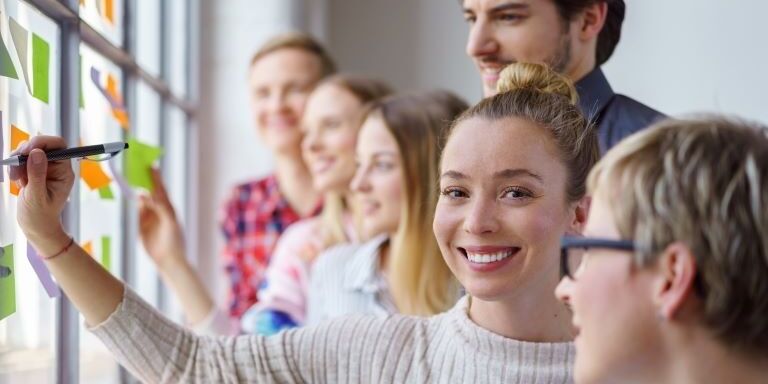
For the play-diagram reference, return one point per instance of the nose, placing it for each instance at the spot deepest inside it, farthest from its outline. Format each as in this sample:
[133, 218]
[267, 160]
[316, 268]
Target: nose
[360, 182]
[481, 41]
[311, 142]
[564, 289]
[276, 102]
[481, 218]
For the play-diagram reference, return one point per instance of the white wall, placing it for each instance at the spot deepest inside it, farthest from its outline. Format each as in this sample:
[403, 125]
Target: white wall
[687, 56]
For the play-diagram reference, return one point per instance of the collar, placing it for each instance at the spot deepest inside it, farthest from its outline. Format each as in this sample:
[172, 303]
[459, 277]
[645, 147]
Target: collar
[362, 271]
[594, 93]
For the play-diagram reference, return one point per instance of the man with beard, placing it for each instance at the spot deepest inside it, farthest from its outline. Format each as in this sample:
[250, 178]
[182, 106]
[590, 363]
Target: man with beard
[575, 37]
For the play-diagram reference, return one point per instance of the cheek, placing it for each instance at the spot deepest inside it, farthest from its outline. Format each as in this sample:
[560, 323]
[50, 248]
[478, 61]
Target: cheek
[295, 103]
[447, 221]
[343, 143]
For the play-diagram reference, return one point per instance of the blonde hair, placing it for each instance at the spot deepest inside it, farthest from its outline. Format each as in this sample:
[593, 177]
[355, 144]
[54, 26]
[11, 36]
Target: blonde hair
[332, 218]
[420, 281]
[301, 41]
[537, 93]
[703, 182]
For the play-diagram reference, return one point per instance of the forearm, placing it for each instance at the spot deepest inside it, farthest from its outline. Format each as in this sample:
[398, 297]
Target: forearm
[93, 290]
[189, 289]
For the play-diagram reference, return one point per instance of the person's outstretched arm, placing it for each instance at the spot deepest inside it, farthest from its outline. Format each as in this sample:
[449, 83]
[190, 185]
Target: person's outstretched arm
[163, 239]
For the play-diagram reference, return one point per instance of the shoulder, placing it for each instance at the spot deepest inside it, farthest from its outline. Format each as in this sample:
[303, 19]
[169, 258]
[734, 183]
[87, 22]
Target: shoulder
[632, 111]
[248, 190]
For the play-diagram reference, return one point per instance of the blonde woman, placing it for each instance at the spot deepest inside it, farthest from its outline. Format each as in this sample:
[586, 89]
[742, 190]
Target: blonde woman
[670, 283]
[512, 182]
[330, 125]
[400, 270]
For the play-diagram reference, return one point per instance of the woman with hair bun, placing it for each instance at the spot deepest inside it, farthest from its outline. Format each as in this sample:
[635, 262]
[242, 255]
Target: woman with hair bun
[511, 183]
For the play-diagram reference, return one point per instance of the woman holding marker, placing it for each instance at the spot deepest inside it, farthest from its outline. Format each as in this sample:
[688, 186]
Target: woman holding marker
[282, 74]
[512, 182]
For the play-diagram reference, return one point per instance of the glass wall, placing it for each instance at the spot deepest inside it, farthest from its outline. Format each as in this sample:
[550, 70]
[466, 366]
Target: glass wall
[122, 73]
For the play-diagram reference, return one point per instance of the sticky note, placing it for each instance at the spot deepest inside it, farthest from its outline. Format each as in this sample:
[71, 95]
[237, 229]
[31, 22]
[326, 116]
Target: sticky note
[2, 142]
[106, 193]
[6, 64]
[109, 11]
[106, 252]
[112, 94]
[138, 163]
[17, 136]
[88, 247]
[51, 288]
[80, 66]
[7, 283]
[19, 35]
[41, 54]
[92, 174]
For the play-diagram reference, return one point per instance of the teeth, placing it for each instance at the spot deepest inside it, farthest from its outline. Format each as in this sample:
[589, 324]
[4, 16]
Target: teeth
[488, 257]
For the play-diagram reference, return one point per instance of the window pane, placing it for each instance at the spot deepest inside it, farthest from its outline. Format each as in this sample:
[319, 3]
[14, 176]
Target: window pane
[29, 89]
[176, 43]
[175, 174]
[106, 17]
[101, 219]
[147, 130]
[147, 42]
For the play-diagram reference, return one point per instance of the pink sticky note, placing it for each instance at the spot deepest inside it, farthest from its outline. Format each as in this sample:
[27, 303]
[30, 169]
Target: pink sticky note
[42, 272]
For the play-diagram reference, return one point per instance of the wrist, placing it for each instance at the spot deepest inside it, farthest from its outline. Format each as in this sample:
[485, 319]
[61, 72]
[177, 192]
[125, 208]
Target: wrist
[49, 243]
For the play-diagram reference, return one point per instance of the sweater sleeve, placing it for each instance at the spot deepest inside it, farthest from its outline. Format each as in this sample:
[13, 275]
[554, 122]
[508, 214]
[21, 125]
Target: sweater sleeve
[157, 350]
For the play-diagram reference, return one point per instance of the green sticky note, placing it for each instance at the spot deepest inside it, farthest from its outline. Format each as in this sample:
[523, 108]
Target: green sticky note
[6, 65]
[106, 252]
[139, 158]
[41, 54]
[7, 282]
[80, 66]
[106, 193]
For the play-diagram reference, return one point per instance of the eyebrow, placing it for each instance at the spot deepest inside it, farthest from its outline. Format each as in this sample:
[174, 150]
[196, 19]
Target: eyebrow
[504, 174]
[502, 7]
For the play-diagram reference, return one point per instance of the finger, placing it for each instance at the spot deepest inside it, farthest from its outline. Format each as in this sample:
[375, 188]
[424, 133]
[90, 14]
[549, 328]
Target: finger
[37, 174]
[46, 143]
[159, 194]
[19, 148]
[18, 172]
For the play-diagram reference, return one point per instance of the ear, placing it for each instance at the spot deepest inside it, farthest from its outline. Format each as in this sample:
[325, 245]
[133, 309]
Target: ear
[580, 214]
[592, 20]
[677, 271]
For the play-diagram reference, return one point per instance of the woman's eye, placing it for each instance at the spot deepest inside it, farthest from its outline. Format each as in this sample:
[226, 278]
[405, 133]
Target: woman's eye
[517, 193]
[454, 193]
[383, 166]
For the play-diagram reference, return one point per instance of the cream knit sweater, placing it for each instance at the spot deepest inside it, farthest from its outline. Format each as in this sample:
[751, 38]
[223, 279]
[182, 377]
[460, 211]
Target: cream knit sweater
[448, 348]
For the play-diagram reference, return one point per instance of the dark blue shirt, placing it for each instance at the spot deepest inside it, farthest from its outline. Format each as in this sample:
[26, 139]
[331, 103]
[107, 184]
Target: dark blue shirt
[616, 116]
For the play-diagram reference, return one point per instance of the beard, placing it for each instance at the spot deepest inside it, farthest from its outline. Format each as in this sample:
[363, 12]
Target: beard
[562, 57]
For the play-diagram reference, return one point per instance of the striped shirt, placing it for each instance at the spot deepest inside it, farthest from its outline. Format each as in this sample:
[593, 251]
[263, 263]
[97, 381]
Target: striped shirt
[447, 348]
[346, 279]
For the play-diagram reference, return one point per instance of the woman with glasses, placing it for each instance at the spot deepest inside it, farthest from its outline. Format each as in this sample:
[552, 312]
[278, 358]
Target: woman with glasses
[670, 284]
[512, 182]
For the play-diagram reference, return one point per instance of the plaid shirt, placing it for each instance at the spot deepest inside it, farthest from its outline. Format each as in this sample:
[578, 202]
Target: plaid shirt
[255, 216]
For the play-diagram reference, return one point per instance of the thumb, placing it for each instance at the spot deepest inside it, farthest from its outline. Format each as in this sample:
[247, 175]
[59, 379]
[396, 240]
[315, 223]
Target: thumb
[37, 170]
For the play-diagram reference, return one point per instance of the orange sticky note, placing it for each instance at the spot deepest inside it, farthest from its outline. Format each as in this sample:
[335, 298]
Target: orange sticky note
[88, 247]
[17, 136]
[109, 11]
[93, 175]
[112, 89]
[122, 117]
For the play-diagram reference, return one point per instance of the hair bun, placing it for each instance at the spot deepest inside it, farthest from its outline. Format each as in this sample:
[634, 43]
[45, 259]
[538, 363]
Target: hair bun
[536, 77]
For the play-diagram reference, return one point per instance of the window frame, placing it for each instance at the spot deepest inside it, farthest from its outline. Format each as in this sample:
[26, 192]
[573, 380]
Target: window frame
[73, 32]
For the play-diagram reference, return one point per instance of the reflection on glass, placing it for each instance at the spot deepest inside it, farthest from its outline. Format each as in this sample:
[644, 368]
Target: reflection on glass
[106, 17]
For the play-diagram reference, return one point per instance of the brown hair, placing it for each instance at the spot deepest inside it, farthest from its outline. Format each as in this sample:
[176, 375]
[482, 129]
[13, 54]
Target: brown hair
[703, 182]
[365, 90]
[610, 35]
[296, 40]
[537, 93]
[420, 281]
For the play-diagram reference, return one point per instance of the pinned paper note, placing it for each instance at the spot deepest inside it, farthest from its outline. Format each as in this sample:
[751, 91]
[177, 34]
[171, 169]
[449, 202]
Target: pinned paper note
[7, 283]
[138, 163]
[106, 193]
[51, 288]
[112, 94]
[41, 54]
[20, 37]
[106, 252]
[88, 248]
[17, 137]
[93, 175]
[6, 64]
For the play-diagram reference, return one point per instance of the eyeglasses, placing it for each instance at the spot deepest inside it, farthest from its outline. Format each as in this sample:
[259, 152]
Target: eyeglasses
[572, 251]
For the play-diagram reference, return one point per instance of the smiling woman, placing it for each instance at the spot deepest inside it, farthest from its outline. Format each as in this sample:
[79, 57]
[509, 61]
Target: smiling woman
[510, 328]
